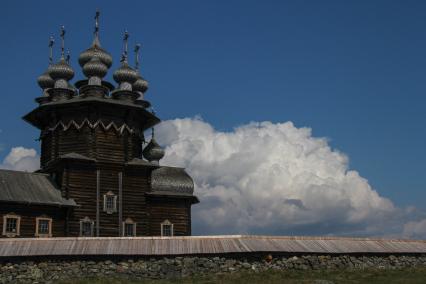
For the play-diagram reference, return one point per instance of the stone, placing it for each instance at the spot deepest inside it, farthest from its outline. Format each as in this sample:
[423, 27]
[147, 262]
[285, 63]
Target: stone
[36, 273]
[320, 281]
[51, 271]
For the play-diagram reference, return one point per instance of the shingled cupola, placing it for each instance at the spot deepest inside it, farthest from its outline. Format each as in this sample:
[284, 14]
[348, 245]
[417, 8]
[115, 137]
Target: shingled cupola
[125, 76]
[90, 105]
[95, 50]
[140, 85]
[92, 137]
[45, 81]
[61, 72]
[153, 152]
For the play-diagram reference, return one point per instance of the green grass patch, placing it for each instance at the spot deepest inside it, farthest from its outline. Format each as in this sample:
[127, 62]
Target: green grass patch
[417, 275]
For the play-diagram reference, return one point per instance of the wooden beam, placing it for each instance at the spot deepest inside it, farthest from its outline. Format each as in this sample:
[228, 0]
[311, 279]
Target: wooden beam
[120, 204]
[98, 189]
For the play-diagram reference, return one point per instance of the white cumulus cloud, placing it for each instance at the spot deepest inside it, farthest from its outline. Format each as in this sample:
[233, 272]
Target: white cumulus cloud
[21, 159]
[415, 229]
[272, 178]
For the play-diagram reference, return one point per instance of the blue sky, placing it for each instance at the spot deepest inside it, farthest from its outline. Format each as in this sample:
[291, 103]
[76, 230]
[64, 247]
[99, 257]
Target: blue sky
[353, 71]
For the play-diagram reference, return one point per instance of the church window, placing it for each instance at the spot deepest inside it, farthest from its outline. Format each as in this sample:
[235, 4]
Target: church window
[11, 225]
[86, 227]
[129, 228]
[43, 227]
[110, 202]
[166, 229]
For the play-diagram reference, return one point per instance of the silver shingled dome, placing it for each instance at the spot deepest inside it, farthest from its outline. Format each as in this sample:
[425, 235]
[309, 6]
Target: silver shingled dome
[140, 85]
[125, 74]
[61, 70]
[45, 81]
[95, 51]
[153, 151]
[95, 68]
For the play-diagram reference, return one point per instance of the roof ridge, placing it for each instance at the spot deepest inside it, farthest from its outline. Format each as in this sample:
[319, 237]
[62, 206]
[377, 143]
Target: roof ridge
[24, 172]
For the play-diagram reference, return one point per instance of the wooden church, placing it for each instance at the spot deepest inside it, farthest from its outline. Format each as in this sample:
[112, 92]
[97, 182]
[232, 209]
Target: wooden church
[95, 177]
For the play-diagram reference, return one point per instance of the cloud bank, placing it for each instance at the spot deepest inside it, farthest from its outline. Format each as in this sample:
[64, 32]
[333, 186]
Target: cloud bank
[21, 159]
[415, 229]
[268, 178]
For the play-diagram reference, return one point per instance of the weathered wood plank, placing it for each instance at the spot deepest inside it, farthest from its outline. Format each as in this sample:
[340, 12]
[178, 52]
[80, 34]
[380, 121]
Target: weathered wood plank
[151, 246]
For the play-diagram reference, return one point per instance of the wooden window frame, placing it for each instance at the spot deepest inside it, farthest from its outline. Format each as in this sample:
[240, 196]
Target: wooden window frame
[110, 194]
[131, 222]
[18, 225]
[92, 225]
[37, 233]
[167, 223]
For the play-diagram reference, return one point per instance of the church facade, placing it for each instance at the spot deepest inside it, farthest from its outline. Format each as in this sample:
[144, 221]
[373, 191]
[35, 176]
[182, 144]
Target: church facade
[95, 177]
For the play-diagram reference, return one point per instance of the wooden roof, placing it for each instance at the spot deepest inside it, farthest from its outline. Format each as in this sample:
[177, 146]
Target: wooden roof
[39, 118]
[30, 188]
[172, 180]
[158, 246]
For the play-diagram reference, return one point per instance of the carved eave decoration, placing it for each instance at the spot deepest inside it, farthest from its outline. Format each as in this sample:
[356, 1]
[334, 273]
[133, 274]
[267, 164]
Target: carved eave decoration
[41, 118]
[119, 129]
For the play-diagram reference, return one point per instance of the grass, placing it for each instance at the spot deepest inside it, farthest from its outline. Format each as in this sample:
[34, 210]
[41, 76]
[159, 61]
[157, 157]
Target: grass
[417, 275]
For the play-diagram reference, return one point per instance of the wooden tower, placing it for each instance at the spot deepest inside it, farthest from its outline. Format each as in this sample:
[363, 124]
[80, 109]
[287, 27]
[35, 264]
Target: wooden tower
[92, 136]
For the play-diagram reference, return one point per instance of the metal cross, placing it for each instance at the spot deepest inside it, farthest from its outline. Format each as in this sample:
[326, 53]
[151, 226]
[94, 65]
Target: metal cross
[137, 48]
[68, 56]
[152, 133]
[51, 42]
[125, 40]
[62, 41]
[97, 21]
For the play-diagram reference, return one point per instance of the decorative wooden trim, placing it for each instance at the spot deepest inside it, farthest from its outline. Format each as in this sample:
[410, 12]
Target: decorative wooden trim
[98, 123]
[129, 221]
[86, 220]
[114, 208]
[167, 223]
[18, 225]
[49, 234]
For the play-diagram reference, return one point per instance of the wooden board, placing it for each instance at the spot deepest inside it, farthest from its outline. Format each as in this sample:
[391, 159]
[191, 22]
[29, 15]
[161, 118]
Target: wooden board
[157, 246]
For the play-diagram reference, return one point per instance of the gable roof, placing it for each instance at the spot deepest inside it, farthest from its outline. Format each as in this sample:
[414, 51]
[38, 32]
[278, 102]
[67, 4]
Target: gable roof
[30, 188]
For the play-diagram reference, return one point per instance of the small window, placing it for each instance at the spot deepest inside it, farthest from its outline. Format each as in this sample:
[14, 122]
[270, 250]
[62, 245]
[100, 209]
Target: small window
[11, 225]
[86, 227]
[129, 228]
[43, 227]
[166, 229]
[110, 202]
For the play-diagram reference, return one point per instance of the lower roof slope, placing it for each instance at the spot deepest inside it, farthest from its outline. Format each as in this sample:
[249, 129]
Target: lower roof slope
[172, 180]
[30, 188]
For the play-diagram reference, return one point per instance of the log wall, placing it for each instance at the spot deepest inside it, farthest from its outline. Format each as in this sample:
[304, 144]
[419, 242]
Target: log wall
[100, 144]
[29, 213]
[111, 149]
[78, 180]
[177, 211]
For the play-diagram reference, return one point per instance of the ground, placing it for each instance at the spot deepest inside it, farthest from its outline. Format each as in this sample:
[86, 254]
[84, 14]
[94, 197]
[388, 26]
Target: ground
[417, 275]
